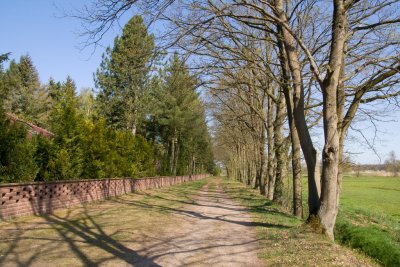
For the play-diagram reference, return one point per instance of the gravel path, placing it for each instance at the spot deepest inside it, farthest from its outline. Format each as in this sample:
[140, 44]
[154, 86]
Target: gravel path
[214, 231]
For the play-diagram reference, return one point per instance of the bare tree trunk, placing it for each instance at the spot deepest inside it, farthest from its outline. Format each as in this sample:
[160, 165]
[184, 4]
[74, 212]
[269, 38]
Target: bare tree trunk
[249, 174]
[176, 158]
[260, 170]
[279, 145]
[295, 141]
[243, 163]
[331, 151]
[241, 171]
[172, 158]
[192, 166]
[296, 171]
[341, 98]
[306, 143]
[270, 144]
[257, 182]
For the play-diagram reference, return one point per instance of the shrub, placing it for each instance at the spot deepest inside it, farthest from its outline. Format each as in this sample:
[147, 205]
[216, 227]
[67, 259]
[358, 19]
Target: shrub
[17, 162]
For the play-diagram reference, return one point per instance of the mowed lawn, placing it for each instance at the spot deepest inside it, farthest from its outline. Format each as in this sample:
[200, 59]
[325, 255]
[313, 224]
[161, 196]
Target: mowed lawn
[369, 217]
[376, 195]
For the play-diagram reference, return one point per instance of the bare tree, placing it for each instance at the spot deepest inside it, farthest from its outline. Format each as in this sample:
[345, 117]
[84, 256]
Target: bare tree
[392, 165]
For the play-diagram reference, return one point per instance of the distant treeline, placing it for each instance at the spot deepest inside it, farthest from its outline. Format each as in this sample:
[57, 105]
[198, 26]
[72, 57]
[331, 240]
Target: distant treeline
[369, 167]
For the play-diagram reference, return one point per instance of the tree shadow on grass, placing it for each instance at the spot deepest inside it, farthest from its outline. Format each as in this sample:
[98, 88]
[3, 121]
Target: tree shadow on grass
[78, 233]
[93, 234]
[15, 236]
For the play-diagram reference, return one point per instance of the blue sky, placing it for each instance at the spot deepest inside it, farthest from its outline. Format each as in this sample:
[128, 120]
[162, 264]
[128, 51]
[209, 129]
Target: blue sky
[35, 28]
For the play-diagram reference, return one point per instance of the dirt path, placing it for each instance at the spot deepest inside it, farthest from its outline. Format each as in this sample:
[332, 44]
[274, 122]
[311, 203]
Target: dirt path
[213, 231]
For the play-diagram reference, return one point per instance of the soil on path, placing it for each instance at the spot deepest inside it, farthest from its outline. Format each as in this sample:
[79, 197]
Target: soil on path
[214, 231]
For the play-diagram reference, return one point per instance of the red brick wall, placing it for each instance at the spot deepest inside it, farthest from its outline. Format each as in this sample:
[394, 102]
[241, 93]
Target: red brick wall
[44, 197]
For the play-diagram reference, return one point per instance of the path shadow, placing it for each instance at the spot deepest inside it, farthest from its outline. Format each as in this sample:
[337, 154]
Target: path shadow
[187, 212]
[187, 246]
[192, 202]
[210, 195]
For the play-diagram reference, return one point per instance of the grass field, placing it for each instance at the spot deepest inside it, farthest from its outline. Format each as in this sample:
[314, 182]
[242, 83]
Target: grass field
[369, 217]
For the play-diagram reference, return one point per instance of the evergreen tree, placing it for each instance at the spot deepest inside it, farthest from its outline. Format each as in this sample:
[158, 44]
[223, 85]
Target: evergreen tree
[66, 161]
[121, 78]
[24, 95]
[17, 162]
[180, 114]
[4, 57]
[12, 86]
[3, 87]
[23, 81]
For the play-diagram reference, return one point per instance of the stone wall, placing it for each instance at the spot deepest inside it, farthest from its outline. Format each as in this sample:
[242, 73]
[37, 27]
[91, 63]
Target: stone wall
[44, 197]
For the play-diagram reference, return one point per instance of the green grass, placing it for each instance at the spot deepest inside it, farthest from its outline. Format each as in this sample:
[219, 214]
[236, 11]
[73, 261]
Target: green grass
[369, 217]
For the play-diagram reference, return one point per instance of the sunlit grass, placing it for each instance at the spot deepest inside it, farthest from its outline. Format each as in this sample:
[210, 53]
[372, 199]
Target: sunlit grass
[369, 217]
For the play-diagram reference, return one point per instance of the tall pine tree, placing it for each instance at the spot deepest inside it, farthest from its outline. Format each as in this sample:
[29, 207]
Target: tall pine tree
[122, 77]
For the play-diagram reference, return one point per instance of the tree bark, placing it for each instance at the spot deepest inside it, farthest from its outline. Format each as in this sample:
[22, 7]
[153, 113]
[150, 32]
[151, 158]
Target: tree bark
[172, 158]
[296, 172]
[176, 157]
[270, 140]
[278, 195]
[309, 152]
[260, 171]
[294, 137]
[331, 151]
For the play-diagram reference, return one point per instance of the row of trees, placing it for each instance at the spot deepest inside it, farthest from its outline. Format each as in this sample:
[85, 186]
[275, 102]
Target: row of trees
[141, 121]
[275, 70]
